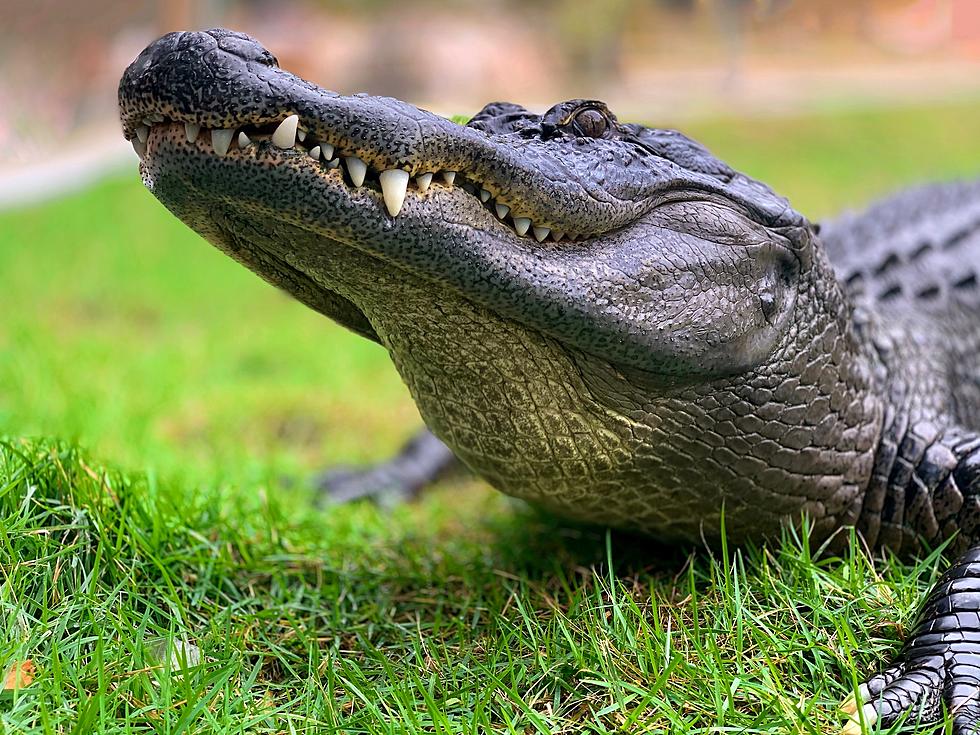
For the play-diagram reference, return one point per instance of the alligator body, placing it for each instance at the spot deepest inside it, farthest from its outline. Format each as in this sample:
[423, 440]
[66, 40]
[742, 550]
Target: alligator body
[607, 320]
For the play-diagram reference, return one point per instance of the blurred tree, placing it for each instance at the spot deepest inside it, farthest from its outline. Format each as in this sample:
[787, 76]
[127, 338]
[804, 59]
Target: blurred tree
[591, 36]
[588, 35]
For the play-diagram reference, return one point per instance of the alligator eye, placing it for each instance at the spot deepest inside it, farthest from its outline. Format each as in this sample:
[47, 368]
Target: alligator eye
[591, 122]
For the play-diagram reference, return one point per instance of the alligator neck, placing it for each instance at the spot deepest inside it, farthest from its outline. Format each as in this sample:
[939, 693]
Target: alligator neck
[599, 441]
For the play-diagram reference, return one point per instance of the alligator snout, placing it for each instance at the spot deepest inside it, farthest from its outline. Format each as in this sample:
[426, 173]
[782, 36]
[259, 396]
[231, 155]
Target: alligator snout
[573, 172]
[219, 48]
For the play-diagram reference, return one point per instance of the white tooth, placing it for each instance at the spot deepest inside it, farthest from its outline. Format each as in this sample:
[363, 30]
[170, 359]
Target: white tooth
[521, 224]
[449, 177]
[856, 700]
[326, 150]
[315, 153]
[301, 134]
[394, 184]
[334, 163]
[357, 169]
[502, 210]
[142, 132]
[285, 135]
[484, 195]
[853, 725]
[157, 117]
[423, 181]
[221, 139]
[558, 235]
[148, 122]
[243, 140]
[540, 233]
[191, 131]
[139, 147]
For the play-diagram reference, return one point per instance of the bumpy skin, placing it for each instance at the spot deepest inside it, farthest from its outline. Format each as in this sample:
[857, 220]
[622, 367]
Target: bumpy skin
[690, 347]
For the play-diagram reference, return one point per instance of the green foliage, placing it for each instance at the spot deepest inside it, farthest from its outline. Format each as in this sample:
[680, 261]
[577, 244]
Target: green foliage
[197, 592]
[418, 621]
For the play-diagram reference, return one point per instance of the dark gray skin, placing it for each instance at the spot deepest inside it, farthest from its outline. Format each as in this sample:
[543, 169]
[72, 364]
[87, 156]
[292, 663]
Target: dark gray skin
[685, 349]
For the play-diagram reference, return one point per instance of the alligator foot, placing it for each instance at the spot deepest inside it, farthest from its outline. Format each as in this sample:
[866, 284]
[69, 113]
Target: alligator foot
[920, 693]
[938, 670]
[422, 461]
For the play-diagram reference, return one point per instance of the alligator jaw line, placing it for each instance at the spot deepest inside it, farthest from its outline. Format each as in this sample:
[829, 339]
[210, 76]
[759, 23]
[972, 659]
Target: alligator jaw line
[289, 135]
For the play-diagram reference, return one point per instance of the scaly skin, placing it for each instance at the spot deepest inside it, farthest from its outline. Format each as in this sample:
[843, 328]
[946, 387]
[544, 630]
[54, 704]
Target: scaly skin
[670, 344]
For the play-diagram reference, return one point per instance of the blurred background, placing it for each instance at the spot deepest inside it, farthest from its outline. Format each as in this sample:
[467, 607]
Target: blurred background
[125, 333]
[652, 60]
[120, 328]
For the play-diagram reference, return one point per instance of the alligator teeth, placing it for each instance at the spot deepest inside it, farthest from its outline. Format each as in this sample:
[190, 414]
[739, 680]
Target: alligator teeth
[521, 224]
[423, 181]
[449, 177]
[334, 163]
[142, 132]
[315, 153]
[502, 210]
[484, 196]
[301, 135]
[540, 233]
[221, 140]
[139, 146]
[394, 184]
[285, 135]
[851, 704]
[558, 235]
[243, 140]
[326, 150]
[191, 131]
[156, 117]
[357, 169]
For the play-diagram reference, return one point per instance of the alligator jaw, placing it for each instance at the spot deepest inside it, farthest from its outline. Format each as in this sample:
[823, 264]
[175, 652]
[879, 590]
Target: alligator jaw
[226, 93]
[284, 143]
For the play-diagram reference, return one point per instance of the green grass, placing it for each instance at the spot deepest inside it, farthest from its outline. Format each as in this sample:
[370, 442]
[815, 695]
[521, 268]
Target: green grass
[165, 392]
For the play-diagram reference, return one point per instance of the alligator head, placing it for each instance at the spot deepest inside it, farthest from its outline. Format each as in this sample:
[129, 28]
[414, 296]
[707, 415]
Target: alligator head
[599, 316]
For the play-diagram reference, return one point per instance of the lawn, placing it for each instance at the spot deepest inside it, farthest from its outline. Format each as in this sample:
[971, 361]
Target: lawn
[164, 568]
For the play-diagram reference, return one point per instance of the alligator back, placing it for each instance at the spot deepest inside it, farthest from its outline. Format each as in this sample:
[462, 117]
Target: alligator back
[921, 245]
[911, 265]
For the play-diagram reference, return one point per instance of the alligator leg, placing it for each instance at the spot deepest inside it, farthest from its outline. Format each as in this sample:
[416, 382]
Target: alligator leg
[938, 669]
[423, 460]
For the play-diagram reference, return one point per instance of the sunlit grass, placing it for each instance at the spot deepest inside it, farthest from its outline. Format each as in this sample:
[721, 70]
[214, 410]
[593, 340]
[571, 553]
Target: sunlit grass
[194, 388]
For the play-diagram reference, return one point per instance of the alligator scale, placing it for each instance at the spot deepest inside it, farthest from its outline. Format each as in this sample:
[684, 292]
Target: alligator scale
[608, 321]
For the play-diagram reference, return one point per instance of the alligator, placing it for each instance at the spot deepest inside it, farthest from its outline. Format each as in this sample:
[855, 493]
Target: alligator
[607, 320]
